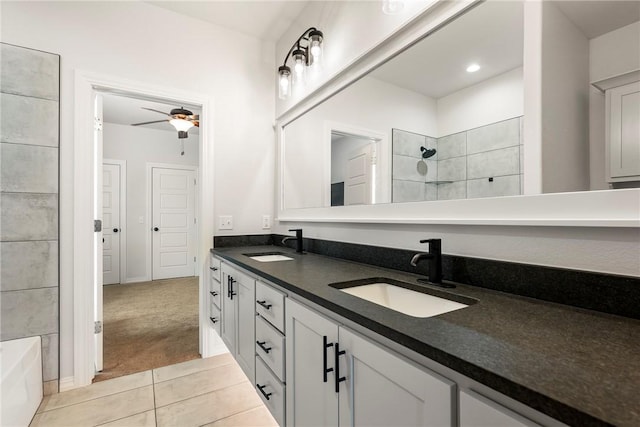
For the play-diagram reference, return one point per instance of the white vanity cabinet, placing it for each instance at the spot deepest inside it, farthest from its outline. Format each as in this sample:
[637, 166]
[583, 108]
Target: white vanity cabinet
[336, 377]
[238, 317]
[479, 411]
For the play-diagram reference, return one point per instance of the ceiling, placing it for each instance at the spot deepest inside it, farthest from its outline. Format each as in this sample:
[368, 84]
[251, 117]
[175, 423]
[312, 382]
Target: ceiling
[266, 20]
[595, 18]
[124, 110]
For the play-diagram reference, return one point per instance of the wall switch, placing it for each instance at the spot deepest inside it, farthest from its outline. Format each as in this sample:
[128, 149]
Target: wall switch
[266, 222]
[225, 222]
[140, 220]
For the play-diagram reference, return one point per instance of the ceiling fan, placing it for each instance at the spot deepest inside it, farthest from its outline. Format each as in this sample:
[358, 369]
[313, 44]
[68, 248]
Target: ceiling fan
[181, 119]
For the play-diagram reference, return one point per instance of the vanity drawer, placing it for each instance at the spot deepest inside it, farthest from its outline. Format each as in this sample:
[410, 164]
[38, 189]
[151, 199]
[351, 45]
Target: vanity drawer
[215, 290]
[270, 390]
[270, 305]
[270, 346]
[214, 317]
[214, 268]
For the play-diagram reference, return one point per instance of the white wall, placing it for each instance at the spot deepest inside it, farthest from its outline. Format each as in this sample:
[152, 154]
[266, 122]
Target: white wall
[490, 101]
[610, 54]
[143, 43]
[139, 146]
[605, 249]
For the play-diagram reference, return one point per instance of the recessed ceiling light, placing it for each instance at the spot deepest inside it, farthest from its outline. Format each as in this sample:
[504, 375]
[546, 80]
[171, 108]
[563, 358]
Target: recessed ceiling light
[473, 68]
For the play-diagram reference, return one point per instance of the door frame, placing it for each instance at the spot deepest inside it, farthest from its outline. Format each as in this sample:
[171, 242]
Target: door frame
[86, 85]
[149, 207]
[123, 215]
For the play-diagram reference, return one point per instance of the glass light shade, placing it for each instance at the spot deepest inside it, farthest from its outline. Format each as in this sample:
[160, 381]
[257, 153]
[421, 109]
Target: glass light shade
[284, 82]
[315, 45]
[391, 7]
[299, 67]
[181, 125]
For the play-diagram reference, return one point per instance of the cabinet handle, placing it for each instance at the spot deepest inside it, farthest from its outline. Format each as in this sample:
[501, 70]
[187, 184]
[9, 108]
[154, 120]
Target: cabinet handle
[231, 293]
[261, 388]
[213, 268]
[214, 293]
[264, 304]
[325, 370]
[261, 344]
[213, 320]
[339, 379]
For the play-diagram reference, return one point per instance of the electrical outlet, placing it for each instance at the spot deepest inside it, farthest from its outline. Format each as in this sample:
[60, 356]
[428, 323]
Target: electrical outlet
[226, 222]
[266, 222]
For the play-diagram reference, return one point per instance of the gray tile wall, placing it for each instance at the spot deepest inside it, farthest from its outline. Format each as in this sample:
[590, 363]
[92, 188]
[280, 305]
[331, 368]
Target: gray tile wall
[29, 145]
[481, 162]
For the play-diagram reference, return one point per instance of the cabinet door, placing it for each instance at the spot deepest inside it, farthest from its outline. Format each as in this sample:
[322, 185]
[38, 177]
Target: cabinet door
[246, 338]
[624, 132]
[479, 411]
[381, 389]
[310, 400]
[228, 326]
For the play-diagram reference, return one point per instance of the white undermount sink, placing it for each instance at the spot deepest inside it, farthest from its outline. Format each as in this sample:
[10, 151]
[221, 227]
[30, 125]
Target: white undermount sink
[269, 257]
[407, 301]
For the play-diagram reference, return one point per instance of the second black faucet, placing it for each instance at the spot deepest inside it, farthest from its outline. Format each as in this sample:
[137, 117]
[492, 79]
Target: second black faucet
[298, 239]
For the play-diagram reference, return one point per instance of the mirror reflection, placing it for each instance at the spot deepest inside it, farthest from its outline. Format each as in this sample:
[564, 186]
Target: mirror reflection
[444, 119]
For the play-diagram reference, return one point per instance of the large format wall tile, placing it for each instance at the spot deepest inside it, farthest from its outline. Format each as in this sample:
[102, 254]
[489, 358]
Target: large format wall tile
[26, 265]
[492, 137]
[50, 357]
[406, 168]
[452, 191]
[452, 146]
[454, 169]
[29, 72]
[28, 168]
[409, 143]
[494, 163]
[28, 217]
[28, 313]
[28, 120]
[499, 187]
[408, 191]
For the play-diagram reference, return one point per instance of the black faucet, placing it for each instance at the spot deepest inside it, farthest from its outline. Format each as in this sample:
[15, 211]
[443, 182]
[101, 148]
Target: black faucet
[435, 262]
[298, 239]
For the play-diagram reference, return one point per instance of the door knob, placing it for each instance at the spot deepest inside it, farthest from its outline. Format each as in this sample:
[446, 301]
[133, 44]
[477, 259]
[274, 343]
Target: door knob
[115, 230]
[155, 229]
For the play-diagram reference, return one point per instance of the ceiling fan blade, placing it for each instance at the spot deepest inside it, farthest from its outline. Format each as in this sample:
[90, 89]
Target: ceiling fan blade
[148, 123]
[157, 111]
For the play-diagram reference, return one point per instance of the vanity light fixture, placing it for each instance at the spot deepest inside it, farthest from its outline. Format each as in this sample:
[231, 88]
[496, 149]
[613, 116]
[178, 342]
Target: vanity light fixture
[473, 68]
[305, 52]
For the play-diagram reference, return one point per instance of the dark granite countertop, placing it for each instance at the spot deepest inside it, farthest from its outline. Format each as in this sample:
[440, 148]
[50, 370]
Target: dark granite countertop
[578, 366]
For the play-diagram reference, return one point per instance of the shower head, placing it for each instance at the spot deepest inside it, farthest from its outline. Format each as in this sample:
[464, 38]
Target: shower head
[427, 152]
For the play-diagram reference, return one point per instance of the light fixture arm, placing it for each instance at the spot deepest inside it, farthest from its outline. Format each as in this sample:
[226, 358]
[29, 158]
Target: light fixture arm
[296, 45]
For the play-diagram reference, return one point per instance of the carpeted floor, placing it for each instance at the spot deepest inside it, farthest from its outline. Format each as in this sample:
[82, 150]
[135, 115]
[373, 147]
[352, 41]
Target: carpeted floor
[148, 325]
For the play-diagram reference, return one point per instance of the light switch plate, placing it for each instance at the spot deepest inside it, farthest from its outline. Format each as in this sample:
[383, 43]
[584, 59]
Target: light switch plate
[266, 222]
[225, 222]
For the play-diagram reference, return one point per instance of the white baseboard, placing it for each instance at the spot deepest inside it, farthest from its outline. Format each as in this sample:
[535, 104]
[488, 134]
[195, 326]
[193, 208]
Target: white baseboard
[137, 279]
[67, 383]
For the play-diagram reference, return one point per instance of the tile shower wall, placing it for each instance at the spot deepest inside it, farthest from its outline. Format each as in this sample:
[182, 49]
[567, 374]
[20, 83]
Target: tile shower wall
[481, 162]
[29, 117]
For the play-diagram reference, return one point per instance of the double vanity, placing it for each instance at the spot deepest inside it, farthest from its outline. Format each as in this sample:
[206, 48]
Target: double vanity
[333, 342]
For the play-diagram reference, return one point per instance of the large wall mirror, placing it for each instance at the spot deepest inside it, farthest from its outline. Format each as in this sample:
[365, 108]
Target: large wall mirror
[444, 119]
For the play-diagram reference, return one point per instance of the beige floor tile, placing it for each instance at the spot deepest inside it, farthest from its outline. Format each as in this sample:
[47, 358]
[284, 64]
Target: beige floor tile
[98, 411]
[97, 390]
[258, 417]
[145, 419]
[174, 371]
[198, 383]
[209, 407]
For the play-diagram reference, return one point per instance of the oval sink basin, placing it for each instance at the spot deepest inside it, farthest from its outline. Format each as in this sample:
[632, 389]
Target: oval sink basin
[397, 296]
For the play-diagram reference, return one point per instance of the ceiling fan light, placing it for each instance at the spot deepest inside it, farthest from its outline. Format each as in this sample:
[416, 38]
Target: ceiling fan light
[181, 125]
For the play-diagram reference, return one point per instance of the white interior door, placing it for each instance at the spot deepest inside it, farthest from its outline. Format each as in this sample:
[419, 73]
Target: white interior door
[111, 223]
[359, 180]
[173, 212]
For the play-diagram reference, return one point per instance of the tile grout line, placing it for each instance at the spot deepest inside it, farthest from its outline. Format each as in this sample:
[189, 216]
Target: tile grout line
[155, 408]
[195, 372]
[233, 415]
[205, 393]
[118, 419]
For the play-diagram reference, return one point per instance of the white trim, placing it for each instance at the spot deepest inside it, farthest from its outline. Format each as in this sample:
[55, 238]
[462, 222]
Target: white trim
[149, 207]
[136, 279]
[85, 84]
[607, 208]
[123, 215]
[66, 383]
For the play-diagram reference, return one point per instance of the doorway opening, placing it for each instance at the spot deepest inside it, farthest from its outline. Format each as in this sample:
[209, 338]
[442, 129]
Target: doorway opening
[146, 194]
